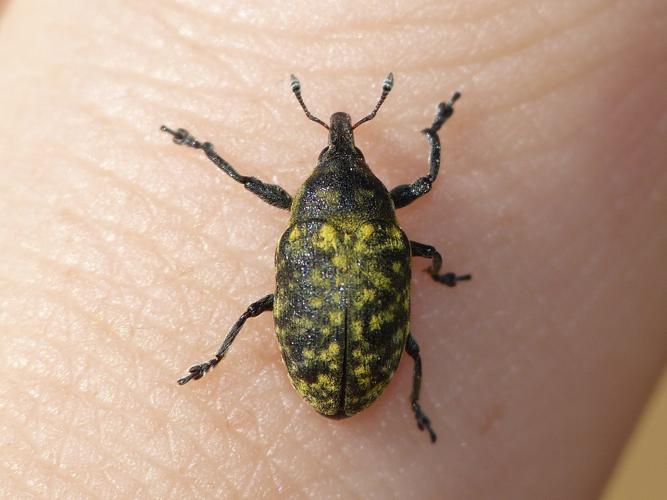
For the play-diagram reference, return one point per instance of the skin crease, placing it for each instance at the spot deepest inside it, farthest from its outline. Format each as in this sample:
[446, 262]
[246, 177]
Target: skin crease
[125, 258]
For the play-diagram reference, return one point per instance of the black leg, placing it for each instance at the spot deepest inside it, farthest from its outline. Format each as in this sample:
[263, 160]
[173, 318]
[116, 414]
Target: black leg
[423, 421]
[270, 193]
[407, 193]
[254, 309]
[449, 279]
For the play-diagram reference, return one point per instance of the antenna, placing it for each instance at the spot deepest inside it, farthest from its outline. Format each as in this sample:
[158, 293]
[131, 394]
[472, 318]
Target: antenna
[296, 88]
[386, 88]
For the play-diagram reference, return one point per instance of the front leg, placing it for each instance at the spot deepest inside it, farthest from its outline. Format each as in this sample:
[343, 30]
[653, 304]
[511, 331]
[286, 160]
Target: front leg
[407, 193]
[270, 193]
[449, 279]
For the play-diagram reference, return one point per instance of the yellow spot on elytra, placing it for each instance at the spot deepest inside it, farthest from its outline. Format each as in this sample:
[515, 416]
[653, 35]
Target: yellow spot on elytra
[397, 266]
[368, 294]
[379, 279]
[361, 370]
[325, 382]
[375, 322]
[316, 302]
[325, 238]
[365, 296]
[316, 277]
[336, 318]
[365, 231]
[360, 247]
[308, 354]
[294, 234]
[339, 261]
[356, 328]
[330, 353]
[302, 322]
[301, 386]
[387, 315]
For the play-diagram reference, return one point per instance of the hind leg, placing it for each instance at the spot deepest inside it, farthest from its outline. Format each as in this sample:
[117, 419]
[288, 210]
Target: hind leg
[423, 421]
[254, 309]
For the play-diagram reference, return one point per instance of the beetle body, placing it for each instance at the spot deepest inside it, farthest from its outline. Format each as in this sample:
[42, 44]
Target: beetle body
[342, 297]
[342, 300]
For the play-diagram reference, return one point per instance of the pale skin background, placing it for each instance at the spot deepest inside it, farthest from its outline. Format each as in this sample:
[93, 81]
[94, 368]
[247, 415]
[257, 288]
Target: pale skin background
[124, 259]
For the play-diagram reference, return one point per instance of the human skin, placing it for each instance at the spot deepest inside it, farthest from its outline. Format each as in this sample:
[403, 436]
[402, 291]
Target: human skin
[124, 258]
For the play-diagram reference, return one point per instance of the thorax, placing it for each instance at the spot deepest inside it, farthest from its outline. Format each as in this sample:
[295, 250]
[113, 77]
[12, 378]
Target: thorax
[345, 192]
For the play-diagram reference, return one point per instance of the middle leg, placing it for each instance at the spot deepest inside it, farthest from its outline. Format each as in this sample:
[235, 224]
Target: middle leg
[449, 279]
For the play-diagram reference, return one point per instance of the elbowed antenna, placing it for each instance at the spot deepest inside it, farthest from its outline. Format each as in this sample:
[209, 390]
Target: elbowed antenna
[386, 88]
[296, 88]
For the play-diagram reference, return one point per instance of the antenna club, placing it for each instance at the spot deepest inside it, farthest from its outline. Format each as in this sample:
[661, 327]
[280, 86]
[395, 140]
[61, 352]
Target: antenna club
[388, 83]
[295, 83]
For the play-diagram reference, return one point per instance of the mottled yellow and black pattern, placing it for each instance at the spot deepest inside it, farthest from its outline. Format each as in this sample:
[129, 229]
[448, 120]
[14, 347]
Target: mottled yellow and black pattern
[343, 285]
[342, 298]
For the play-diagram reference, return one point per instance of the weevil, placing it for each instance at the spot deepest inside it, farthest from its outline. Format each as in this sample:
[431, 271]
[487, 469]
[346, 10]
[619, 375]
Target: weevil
[342, 301]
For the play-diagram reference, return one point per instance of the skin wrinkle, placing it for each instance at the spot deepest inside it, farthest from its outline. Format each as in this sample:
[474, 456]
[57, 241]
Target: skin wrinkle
[574, 133]
[147, 457]
[519, 47]
[153, 460]
[294, 423]
[127, 238]
[274, 444]
[353, 22]
[50, 478]
[68, 426]
[572, 77]
[142, 236]
[253, 485]
[66, 273]
[216, 129]
[38, 451]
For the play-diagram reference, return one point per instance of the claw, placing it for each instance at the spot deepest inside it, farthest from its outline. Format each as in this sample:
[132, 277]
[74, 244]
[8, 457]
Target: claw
[184, 380]
[449, 279]
[423, 422]
[182, 136]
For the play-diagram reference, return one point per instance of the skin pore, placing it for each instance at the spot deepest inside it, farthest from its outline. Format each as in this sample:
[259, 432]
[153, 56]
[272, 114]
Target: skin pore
[125, 259]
